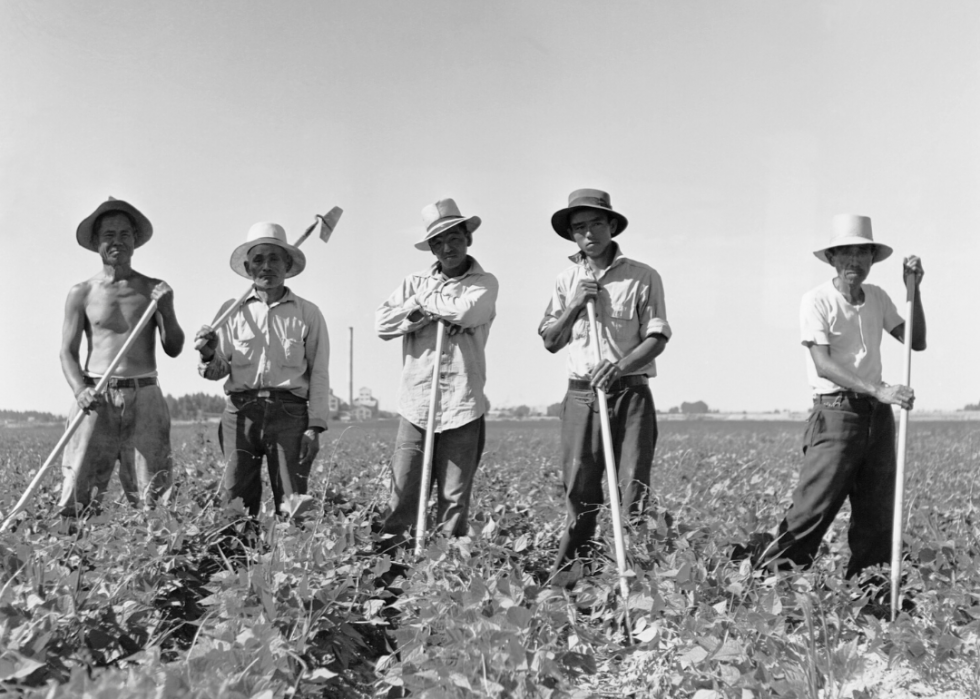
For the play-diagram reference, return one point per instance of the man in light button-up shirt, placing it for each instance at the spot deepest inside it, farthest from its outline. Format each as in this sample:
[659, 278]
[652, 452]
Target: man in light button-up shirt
[633, 329]
[274, 353]
[458, 291]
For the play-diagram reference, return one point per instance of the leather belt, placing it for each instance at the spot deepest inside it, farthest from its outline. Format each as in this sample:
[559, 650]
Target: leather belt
[117, 382]
[838, 397]
[619, 384]
[280, 394]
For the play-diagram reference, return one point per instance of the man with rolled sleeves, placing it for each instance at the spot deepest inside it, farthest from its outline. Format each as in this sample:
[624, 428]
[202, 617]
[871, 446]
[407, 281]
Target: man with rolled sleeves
[632, 319]
[130, 422]
[456, 290]
[849, 444]
[274, 353]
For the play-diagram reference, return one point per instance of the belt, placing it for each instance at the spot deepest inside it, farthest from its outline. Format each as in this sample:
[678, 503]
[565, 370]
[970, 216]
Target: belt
[279, 394]
[618, 385]
[838, 397]
[124, 383]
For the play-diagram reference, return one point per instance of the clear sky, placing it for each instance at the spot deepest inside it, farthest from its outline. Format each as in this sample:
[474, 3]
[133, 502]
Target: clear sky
[729, 133]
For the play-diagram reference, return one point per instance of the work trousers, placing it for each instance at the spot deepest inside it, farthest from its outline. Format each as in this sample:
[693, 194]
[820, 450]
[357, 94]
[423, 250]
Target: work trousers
[131, 426]
[455, 458]
[633, 423]
[252, 427]
[848, 452]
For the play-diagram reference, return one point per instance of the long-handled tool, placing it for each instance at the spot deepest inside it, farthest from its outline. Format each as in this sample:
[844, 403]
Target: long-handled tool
[903, 434]
[611, 477]
[327, 223]
[430, 434]
[99, 388]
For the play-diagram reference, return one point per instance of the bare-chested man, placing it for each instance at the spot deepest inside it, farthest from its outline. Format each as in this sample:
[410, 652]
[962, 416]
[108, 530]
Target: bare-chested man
[130, 423]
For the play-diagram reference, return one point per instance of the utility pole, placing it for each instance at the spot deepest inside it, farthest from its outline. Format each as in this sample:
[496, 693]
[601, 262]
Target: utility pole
[350, 373]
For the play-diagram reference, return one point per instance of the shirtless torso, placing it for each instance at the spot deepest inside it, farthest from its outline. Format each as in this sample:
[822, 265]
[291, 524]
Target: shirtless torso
[106, 307]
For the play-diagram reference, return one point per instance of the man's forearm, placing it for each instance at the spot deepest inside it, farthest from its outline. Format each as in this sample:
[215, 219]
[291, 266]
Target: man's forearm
[828, 369]
[559, 333]
[643, 354]
[918, 323]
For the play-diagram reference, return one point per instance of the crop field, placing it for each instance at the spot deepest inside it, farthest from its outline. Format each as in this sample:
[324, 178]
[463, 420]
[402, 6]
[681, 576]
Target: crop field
[192, 600]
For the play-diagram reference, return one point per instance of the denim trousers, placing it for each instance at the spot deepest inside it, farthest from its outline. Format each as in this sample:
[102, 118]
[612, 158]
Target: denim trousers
[253, 427]
[848, 453]
[455, 458]
[131, 426]
[633, 423]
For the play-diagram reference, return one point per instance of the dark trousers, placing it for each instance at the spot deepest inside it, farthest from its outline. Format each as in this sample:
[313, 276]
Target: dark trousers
[848, 452]
[254, 427]
[633, 422]
[455, 457]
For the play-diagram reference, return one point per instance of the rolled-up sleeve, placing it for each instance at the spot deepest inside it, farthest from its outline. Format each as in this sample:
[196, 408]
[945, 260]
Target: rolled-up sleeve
[653, 309]
[556, 306]
[318, 363]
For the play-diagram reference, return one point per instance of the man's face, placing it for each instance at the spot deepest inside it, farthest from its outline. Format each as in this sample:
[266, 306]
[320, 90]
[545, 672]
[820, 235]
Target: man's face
[852, 262]
[592, 231]
[450, 247]
[267, 265]
[116, 239]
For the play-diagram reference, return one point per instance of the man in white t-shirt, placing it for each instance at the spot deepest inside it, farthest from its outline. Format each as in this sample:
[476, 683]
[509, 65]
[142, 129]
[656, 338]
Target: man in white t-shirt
[849, 444]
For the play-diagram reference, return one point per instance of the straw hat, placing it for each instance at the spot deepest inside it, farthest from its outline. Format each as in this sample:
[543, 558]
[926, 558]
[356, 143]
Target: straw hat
[851, 229]
[271, 234]
[442, 216]
[84, 234]
[586, 199]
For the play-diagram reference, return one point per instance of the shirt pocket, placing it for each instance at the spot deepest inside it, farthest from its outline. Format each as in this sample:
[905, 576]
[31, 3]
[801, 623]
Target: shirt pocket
[244, 346]
[623, 323]
[293, 351]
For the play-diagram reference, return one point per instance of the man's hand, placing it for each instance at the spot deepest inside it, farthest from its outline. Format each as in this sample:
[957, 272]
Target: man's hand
[902, 396]
[164, 296]
[309, 446]
[912, 265]
[453, 329]
[88, 399]
[585, 289]
[206, 342]
[605, 375]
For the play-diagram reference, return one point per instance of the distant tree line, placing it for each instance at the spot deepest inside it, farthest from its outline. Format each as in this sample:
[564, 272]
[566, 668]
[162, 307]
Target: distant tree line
[698, 407]
[973, 406]
[194, 406]
[28, 416]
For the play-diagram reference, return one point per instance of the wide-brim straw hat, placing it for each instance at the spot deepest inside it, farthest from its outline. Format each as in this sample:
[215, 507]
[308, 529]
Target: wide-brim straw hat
[442, 216]
[271, 234]
[586, 199]
[851, 229]
[84, 234]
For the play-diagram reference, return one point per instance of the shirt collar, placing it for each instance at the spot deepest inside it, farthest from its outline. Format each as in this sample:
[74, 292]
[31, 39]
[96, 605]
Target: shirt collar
[288, 297]
[579, 258]
[436, 271]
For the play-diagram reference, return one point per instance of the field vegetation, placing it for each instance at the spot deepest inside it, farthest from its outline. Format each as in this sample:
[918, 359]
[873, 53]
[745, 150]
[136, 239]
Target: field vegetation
[192, 600]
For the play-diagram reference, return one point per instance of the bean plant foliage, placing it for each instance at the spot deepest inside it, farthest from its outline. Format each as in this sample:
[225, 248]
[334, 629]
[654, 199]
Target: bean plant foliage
[193, 599]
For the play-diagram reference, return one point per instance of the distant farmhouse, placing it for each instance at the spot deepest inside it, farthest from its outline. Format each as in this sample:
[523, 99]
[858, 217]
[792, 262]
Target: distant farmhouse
[366, 407]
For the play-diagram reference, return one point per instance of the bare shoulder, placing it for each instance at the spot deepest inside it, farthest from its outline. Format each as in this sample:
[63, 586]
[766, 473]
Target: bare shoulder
[78, 294]
[143, 282]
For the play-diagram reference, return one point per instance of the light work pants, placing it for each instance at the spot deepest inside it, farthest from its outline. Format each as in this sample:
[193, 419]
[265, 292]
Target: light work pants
[455, 459]
[131, 426]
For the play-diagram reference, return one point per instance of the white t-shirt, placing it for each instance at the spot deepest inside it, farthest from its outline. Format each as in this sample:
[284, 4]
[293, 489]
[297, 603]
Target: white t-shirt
[853, 333]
